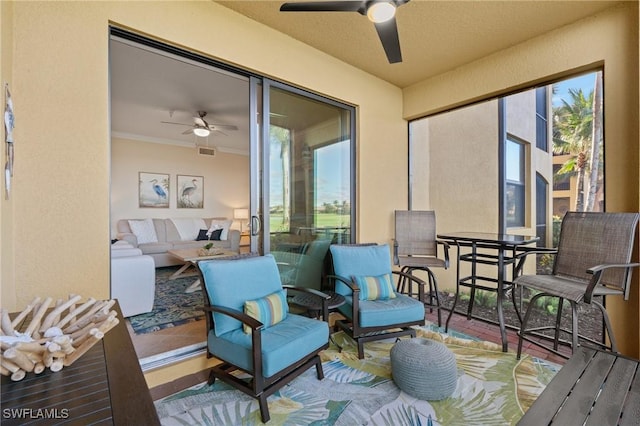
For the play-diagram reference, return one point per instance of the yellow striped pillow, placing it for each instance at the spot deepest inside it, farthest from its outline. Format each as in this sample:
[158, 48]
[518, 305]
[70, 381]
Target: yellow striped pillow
[374, 288]
[269, 310]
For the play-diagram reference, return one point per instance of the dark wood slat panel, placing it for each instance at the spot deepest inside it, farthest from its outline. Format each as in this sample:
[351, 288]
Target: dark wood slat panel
[608, 406]
[548, 403]
[578, 406]
[104, 386]
[631, 409]
[130, 397]
[605, 392]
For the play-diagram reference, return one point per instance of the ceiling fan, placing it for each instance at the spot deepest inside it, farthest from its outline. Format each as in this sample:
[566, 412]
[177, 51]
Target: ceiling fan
[201, 127]
[381, 12]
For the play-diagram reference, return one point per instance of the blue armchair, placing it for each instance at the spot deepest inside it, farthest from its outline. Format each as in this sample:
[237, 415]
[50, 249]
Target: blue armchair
[251, 330]
[374, 310]
[303, 269]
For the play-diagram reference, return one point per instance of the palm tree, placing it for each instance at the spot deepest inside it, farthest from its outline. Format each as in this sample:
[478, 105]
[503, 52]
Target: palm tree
[573, 132]
[281, 137]
[596, 145]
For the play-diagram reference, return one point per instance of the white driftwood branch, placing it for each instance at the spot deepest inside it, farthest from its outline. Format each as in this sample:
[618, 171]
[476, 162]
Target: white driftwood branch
[53, 341]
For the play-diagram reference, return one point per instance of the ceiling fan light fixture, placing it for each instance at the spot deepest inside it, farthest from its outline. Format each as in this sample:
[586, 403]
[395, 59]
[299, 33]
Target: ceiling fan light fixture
[202, 132]
[381, 12]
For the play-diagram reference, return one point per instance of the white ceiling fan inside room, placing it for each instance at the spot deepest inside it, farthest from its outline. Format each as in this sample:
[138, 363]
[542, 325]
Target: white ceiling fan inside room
[201, 127]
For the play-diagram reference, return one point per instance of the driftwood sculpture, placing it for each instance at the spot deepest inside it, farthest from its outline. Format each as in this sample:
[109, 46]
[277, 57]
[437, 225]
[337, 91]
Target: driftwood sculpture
[54, 338]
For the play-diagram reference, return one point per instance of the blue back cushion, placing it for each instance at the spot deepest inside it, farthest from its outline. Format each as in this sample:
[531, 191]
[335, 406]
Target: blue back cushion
[230, 283]
[350, 261]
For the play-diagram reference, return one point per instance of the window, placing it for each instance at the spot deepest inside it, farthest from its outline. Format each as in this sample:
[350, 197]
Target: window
[561, 182]
[542, 189]
[514, 183]
[541, 119]
[504, 154]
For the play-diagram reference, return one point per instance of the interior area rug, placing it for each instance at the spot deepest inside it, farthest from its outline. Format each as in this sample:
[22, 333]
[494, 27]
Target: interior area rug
[172, 306]
[493, 388]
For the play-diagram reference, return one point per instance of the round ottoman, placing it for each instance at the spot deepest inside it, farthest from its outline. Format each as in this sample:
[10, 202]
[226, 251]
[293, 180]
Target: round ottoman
[424, 368]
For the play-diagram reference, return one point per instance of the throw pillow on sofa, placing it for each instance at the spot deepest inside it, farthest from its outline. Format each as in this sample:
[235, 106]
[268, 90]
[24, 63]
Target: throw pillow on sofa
[188, 227]
[224, 225]
[204, 235]
[144, 231]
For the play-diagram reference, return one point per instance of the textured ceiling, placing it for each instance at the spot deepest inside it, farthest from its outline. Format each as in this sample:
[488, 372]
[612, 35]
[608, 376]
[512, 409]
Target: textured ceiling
[435, 36]
[148, 87]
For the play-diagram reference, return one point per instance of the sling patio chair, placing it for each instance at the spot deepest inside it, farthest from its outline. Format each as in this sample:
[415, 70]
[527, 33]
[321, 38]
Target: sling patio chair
[415, 248]
[374, 310]
[251, 330]
[592, 261]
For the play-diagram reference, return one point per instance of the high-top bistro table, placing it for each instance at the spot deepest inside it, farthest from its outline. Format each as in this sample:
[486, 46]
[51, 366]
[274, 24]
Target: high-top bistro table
[499, 250]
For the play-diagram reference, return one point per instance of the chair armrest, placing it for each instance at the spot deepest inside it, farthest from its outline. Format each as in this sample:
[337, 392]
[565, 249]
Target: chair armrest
[597, 271]
[413, 278]
[396, 258]
[348, 282]
[128, 237]
[234, 313]
[524, 252]
[445, 246]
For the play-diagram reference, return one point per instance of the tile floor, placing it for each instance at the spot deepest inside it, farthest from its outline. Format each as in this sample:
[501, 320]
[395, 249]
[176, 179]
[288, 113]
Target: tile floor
[491, 332]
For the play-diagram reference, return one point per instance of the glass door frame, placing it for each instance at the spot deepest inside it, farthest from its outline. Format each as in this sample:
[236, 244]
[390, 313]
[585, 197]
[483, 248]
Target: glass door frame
[260, 154]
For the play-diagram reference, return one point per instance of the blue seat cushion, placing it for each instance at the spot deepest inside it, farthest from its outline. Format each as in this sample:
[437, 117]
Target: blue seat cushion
[232, 282]
[282, 344]
[350, 261]
[376, 313]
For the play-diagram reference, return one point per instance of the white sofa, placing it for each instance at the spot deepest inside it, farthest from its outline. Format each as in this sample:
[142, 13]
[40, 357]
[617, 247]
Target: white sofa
[169, 238]
[133, 279]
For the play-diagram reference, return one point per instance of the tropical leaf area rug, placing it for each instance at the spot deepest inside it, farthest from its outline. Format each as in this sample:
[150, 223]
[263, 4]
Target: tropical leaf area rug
[493, 388]
[172, 306]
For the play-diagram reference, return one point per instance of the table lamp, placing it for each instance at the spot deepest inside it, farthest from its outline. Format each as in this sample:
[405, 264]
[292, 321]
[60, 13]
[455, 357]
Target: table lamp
[241, 215]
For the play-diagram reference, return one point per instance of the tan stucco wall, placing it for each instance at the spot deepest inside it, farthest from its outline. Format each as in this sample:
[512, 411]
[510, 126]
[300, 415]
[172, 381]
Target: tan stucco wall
[225, 178]
[609, 39]
[61, 93]
[7, 291]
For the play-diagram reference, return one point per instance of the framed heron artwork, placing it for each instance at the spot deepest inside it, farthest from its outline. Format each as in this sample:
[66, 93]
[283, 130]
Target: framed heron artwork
[153, 190]
[190, 192]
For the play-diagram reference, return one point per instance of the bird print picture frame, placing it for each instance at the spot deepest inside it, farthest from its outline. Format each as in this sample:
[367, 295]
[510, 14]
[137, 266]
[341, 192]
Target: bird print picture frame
[190, 192]
[153, 190]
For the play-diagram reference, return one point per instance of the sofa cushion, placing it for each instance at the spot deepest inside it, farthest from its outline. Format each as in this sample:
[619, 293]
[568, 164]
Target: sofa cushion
[188, 227]
[153, 248]
[144, 231]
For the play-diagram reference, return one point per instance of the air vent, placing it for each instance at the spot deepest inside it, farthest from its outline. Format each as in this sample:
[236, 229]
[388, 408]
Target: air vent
[208, 152]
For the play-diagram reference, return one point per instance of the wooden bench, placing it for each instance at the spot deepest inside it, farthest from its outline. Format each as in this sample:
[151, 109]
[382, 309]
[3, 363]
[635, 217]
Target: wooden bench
[594, 387]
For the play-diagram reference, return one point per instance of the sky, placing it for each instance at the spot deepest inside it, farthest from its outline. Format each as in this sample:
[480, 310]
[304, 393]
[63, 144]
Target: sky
[584, 82]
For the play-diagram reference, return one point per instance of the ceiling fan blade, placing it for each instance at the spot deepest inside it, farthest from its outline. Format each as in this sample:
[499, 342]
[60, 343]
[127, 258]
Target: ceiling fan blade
[222, 127]
[388, 33]
[324, 6]
[187, 132]
[179, 124]
[200, 121]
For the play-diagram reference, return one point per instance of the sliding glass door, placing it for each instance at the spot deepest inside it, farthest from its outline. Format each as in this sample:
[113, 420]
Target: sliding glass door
[305, 179]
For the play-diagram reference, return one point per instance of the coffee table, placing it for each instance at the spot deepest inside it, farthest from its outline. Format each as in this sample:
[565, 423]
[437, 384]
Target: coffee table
[190, 257]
